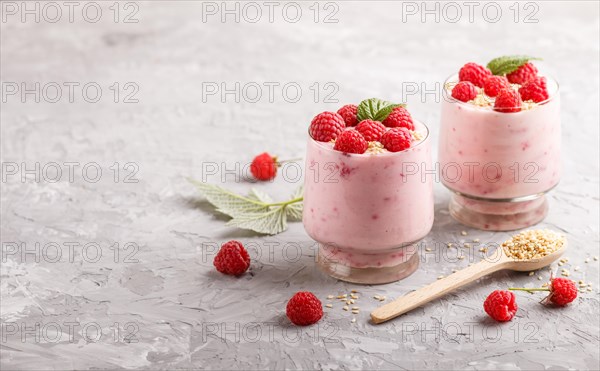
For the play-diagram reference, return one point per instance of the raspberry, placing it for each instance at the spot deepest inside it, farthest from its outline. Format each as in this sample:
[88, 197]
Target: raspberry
[232, 259]
[494, 84]
[563, 291]
[304, 309]
[534, 90]
[399, 118]
[326, 126]
[350, 141]
[508, 101]
[523, 74]
[264, 167]
[464, 91]
[501, 305]
[474, 73]
[348, 113]
[396, 139]
[371, 130]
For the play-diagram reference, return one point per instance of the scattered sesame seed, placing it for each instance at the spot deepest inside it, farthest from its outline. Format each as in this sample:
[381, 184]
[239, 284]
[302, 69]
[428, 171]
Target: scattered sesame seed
[329, 305]
[539, 278]
[449, 244]
[464, 233]
[476, 240]
[581, 282]
[353, 320]
[596, 258]
[461, 257]
[560, 264]
[345, 307]
[354, 291]
[342, 296]
[382, 298]
[377, 297]
[440, 277]
[587, 260]
[351, 301]
[427, 249]
[467, 245]
[355, 308]
[454, 271]
[355, 312]
[330, 297]
[576, 268]
[348, 302]
[353, 296]
[589, 289]
[531, 273]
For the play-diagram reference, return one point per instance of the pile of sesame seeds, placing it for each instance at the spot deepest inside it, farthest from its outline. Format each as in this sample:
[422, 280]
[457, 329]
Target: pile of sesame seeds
[533, 244]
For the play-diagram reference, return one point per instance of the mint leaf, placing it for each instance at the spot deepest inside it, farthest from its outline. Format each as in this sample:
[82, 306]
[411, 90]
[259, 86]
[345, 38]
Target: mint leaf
[508, 63]
[257, 211]
[375, 109]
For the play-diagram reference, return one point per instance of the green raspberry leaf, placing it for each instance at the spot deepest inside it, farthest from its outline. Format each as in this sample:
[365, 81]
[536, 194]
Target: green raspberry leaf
[509, 63]
[375, 109]
[256, 211]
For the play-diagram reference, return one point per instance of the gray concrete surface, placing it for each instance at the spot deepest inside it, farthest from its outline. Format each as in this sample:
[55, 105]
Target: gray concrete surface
[133, 285]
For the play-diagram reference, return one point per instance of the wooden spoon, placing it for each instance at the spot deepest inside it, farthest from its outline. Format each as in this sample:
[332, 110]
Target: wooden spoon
[445, 285]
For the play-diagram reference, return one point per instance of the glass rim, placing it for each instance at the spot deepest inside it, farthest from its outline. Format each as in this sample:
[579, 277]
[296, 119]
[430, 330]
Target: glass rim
[388, 153]
[454, 77]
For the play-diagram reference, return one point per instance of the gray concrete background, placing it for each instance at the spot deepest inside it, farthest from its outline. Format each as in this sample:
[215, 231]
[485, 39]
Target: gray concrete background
[136, 258]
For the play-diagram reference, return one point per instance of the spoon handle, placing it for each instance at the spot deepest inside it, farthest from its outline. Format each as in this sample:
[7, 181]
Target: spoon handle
[435, 290]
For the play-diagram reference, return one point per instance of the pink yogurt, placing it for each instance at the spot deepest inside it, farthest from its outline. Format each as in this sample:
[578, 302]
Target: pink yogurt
[365, 210]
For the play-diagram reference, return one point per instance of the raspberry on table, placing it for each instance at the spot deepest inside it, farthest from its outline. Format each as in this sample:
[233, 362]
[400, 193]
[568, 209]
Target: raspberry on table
[326, 126]
[264, 166]
[494, 84]
[501, 305]
[232, 259]
[464, 91]
[562, 291]
[304, 309]
[396, 139]
[523, 74]
[474, 73]
[508, 101]
[371, 130]
[351, 141]
[348, 113]
[399, 118]
[534, 90]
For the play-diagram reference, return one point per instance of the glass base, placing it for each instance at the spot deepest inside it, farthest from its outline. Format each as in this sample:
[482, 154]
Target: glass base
[373, 268]
[498, 216]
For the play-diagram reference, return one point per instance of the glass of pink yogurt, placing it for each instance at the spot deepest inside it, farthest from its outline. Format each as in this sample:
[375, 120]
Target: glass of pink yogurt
[499, 166]
[368, 211]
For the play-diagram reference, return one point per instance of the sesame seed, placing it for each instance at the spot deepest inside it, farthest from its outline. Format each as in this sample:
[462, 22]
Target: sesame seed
[539, 278]
[440, 277]
[354, 291]
[461, 257]
[467, 245]
[330, 297]
[355, 312]
[345, 307]
[531, 273]
[382, 298]
[355, 308]
[342, 296]
[348, 302]
[587, 260]
[576, 268]
[353, 296]
[351, 301]
[376, 297]
[353, 320]
[329, 306]
[464, 233]
[476, 240]
[596, 258]
[449, 244]
[427, 249]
